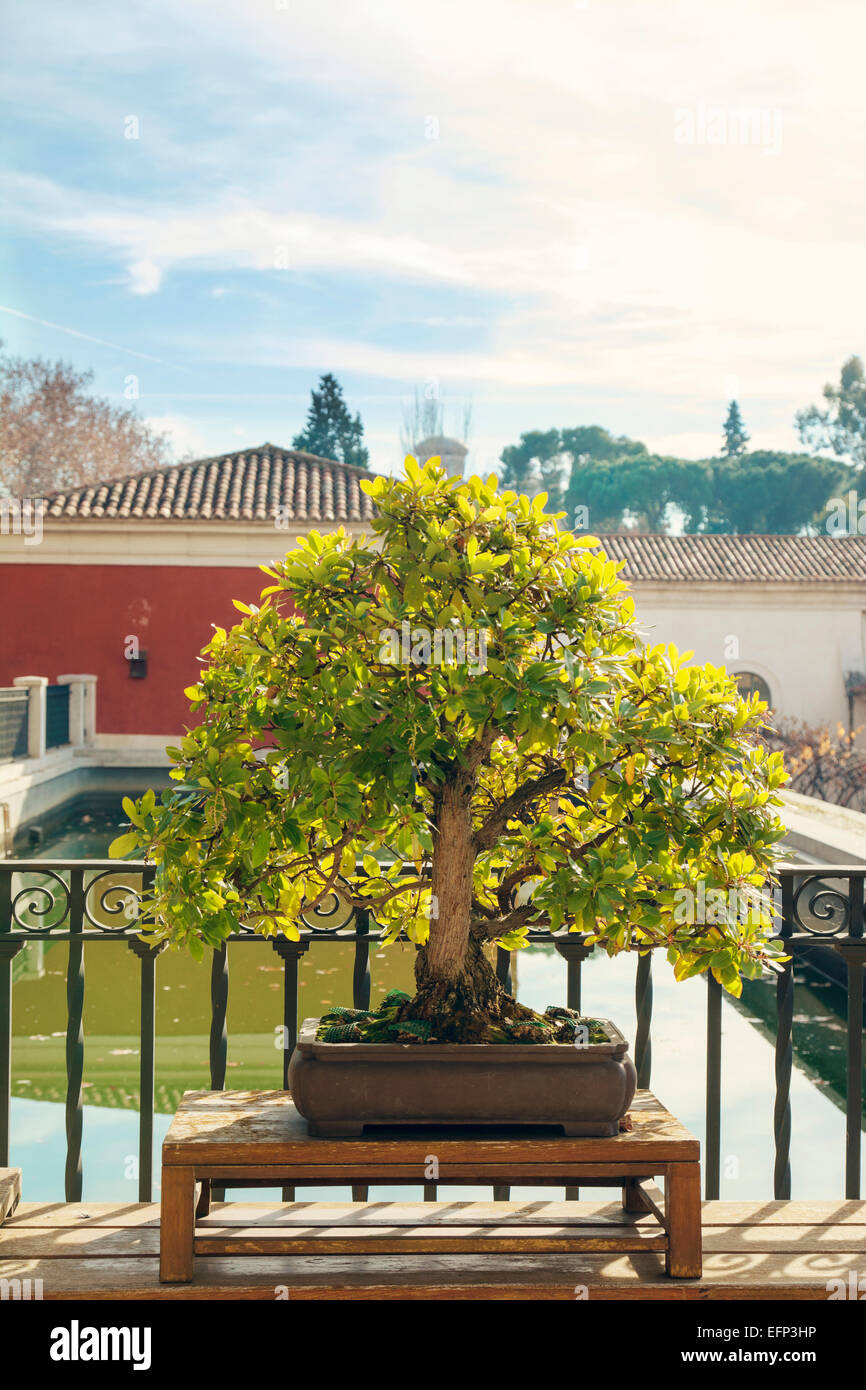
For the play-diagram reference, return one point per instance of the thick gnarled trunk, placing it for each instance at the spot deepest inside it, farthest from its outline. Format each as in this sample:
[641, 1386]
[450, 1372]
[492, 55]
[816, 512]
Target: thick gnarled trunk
[453, 861]
[457, 988]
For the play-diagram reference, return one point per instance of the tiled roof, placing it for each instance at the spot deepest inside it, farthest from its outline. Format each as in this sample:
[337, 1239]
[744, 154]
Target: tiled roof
[252, 484]
[247, 486]
[737, 559]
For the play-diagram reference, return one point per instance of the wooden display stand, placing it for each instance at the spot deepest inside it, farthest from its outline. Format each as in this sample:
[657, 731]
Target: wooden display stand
[257, 1139]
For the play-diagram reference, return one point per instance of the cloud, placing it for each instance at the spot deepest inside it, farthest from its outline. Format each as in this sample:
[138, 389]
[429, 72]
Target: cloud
[144, 277]
[554, 226]
[184, 435]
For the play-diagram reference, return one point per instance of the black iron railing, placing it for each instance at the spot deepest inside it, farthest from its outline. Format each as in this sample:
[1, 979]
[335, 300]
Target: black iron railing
[14, 721]
[56, 716]
[97, 902]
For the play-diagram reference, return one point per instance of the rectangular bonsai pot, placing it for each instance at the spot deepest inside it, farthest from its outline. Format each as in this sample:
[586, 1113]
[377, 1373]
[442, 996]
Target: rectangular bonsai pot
[341, 1087]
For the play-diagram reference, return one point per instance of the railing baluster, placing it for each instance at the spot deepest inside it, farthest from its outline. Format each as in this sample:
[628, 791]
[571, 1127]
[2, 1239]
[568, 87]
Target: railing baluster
[75, 1037]
[503, 968]
[147, 956]
[784, 1052]
[8, 951]
[501, 1192]
[856, 958]
[643, 1000]
[854, 952]
[361, 971]
[290, 953]
[574, 951]
[714, 1089]
[361, 984]
[219, 1004]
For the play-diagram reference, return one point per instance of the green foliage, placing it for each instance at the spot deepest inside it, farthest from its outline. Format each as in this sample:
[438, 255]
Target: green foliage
[643, 485]
[598, 444]
[535, 464]
[765, 492]
[841, 425]
[602, 773]
[330, 431]
[734, 432]
[762, 492]
[614, 478]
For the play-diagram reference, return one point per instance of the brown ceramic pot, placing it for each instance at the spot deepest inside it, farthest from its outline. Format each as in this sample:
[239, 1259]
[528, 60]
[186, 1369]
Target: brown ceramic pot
[341, 1087]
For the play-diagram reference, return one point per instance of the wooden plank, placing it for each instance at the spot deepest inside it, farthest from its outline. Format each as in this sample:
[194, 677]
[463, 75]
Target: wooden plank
[769, 1239]
[812, 1219]
[92, 1240]
[453, 1172]
[367, 1214]
[264, 1127]
[82, 1242]
[10, 1191]
[784, 1213]
[105, 1214]
[448, 1277]
[438, 1240]
[109, 1215]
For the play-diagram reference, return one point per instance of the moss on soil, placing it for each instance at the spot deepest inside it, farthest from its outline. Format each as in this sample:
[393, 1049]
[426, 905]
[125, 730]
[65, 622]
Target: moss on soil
[385, 1024]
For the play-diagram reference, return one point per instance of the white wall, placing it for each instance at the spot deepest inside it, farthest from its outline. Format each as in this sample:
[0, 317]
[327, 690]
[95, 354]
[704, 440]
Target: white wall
[801, 639]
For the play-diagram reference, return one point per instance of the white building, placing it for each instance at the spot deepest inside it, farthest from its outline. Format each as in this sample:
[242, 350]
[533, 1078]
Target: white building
[786, 614]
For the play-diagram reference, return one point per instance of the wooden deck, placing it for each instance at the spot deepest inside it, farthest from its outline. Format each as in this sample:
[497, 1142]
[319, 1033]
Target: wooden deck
[752, 1250]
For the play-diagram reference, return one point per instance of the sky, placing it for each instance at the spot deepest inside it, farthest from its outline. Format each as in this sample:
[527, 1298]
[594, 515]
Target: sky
[563, 212]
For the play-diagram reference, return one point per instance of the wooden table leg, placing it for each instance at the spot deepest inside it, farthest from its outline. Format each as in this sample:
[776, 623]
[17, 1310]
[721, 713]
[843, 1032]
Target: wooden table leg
[177, 1225]
[633, 1197]
[683, 1217]
[202, 1207]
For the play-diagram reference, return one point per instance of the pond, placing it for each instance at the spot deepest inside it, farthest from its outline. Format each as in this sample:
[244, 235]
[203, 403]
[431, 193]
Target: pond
[254, 1059]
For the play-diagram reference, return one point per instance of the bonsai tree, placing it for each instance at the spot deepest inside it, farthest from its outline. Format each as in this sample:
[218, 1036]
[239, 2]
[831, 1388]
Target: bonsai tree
[458, 725]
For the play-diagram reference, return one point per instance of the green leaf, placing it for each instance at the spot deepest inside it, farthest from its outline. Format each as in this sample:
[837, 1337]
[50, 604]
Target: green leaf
[123, 846]
[261, 846]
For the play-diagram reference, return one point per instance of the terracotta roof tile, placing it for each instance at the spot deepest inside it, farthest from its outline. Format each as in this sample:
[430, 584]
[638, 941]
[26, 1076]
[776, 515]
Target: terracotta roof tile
[252, 484]
[737, 559]
[246, 486]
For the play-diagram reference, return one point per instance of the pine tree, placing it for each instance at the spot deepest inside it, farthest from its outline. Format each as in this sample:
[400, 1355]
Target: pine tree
[736, 437]
[330, 431]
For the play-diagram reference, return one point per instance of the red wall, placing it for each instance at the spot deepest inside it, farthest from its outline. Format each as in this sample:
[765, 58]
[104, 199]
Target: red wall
[56, 619]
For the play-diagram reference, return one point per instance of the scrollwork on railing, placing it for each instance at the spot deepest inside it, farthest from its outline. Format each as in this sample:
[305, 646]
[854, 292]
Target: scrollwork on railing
[25, 902]
[330, 915]
[116, 900]
[816, 903]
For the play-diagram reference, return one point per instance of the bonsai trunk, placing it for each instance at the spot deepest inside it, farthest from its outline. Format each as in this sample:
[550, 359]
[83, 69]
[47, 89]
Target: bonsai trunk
[457, 988]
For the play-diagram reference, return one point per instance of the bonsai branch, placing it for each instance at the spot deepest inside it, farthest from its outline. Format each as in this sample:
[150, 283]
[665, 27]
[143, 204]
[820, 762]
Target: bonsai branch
[492, 929]
[489, 832]
[409, 887]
